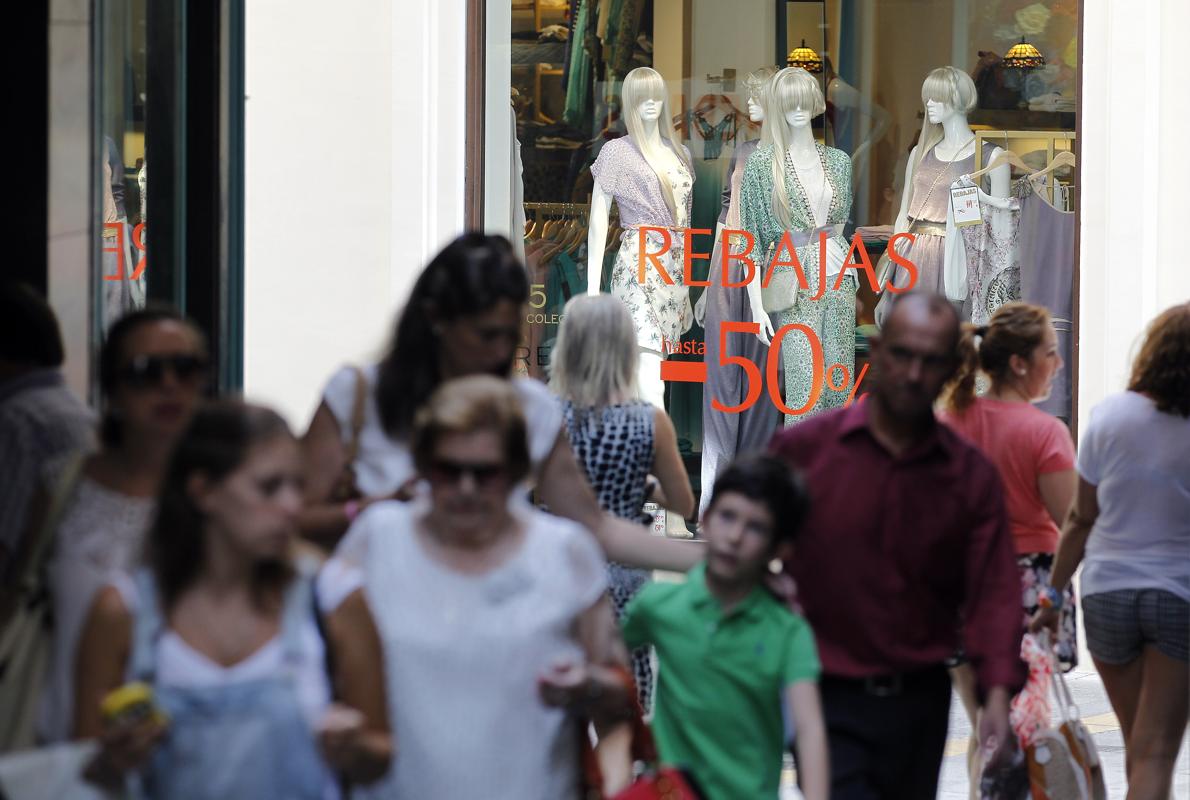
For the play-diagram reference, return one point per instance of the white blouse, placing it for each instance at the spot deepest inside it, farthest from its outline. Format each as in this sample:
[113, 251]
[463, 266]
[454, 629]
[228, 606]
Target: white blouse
[384, 464]
[99, 540]
[463, 654]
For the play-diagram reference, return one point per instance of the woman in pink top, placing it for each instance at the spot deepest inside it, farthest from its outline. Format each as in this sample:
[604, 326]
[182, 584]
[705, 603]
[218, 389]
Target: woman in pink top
[1034, 452]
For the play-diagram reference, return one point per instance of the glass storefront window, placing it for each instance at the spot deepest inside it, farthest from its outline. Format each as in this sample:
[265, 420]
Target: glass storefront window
[1015, 78]
[121, 174]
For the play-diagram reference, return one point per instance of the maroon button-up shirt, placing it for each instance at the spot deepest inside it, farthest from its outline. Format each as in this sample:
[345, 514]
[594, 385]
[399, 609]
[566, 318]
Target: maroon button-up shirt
[904, 557]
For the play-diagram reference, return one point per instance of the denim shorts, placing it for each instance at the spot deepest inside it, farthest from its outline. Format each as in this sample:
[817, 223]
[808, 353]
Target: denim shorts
[1119, 624]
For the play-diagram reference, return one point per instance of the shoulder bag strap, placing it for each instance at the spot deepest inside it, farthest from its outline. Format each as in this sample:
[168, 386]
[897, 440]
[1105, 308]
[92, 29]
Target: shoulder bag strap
[40, 548]
[358, 408]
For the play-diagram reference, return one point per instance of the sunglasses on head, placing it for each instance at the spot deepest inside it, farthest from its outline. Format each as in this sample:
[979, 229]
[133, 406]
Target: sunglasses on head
[144, 371]
[445, 471]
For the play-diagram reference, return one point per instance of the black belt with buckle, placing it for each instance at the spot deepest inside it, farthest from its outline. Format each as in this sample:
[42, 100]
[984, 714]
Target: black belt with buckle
[892, 684]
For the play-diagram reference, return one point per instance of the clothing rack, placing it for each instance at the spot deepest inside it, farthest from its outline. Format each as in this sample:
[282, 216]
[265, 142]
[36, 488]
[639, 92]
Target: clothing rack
[1050, 141]
[570, 214]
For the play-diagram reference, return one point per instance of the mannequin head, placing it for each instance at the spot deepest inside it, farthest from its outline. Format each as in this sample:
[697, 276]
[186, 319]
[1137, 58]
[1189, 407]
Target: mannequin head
[646, 106]
[794, 99]
[756, 85]
[947, 92]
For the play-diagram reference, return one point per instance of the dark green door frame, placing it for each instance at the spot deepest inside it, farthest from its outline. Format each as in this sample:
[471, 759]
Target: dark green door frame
[194, 119]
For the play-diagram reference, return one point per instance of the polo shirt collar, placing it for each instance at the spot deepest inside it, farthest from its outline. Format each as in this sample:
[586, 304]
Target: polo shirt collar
[701, 597]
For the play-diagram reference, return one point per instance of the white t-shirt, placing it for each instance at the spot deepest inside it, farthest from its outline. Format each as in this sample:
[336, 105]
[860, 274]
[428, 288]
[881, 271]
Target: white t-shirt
[1139, 458]
[384, 464]
[463, 654]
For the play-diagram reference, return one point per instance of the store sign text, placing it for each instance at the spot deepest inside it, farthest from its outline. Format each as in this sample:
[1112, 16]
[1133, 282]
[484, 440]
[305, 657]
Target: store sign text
[138, 241]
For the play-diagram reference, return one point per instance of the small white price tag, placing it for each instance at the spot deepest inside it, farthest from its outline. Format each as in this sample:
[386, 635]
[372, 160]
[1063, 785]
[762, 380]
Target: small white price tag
[964, 203]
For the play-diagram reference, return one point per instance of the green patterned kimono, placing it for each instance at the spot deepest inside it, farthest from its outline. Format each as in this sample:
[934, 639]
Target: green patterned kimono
[832, 317]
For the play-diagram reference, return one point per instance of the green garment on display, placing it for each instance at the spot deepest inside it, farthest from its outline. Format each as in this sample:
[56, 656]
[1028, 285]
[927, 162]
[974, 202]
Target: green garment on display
[578, 84]
[831, 317]
[685, 399]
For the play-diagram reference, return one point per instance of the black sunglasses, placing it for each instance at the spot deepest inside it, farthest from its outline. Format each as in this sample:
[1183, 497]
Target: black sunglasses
[143, 371]
[445, 471]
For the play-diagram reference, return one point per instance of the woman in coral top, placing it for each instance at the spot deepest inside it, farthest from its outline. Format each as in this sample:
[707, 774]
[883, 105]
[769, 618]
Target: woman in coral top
[1033, 451]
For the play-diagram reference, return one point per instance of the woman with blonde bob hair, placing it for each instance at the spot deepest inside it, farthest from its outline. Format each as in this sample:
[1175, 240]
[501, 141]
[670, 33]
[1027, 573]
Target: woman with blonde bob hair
[1033, 452]
[1129, 527]
[494, 615]
[618, 438]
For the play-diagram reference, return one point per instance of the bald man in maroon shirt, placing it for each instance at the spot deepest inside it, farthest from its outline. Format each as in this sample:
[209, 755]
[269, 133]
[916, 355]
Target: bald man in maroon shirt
[905, 559]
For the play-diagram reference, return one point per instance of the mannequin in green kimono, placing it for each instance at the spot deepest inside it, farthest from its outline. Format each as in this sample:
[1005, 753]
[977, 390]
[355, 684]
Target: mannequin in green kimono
[793, 183]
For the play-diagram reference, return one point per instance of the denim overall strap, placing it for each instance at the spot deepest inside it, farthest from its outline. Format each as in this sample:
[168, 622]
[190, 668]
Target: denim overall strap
[246, 738]
[148, 624]
[297, 609]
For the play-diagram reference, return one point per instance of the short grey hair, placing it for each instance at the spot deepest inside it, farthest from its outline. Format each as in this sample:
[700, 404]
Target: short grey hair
[595, 358]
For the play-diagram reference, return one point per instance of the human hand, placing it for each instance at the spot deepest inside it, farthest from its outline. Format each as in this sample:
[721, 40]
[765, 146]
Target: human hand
[566, 684]
[1044, 619]
[995, 732]
[125, 747]
[340, 736]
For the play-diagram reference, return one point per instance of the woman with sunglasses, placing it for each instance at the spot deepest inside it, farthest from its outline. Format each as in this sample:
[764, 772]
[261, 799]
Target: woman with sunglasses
[497, 630]
[242, 644]
[152, 372]
[464, 317]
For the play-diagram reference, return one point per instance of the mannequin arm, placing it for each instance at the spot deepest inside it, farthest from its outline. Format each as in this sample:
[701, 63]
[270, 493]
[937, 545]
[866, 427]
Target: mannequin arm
[759, 315]
[597, 237]
[714, 275]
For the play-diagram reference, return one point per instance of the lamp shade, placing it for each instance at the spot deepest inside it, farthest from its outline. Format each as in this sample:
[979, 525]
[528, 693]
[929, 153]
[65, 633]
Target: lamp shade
[1023, 56]
[805, 58]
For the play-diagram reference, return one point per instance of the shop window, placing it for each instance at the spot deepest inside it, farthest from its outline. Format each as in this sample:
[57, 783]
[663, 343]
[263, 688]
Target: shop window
[571, 65]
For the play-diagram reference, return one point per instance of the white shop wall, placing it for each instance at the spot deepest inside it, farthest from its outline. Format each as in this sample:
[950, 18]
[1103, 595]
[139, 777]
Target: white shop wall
[1135, 170]
[353, 179]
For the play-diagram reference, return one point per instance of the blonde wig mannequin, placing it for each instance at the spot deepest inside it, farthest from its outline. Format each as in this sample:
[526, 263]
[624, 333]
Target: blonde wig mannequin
[949, 85]
[757, 86]
[788, 90]
[641, 84]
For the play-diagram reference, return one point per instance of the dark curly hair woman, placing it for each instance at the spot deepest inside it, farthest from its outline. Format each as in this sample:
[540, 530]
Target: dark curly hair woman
[1130, 529]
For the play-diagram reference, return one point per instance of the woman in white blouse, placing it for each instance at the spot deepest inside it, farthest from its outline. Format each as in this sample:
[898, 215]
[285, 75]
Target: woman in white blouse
[464, 317]
[499, 638]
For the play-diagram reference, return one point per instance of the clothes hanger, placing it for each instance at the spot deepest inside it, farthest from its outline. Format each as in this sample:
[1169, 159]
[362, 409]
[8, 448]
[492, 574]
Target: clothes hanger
[1062, 159]
[1006, 157]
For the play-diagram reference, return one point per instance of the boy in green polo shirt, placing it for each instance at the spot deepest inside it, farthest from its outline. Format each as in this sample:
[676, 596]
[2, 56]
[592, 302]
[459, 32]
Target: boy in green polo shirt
[733, 660]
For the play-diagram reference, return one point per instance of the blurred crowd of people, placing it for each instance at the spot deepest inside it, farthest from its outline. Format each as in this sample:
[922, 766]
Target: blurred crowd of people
[444, 587]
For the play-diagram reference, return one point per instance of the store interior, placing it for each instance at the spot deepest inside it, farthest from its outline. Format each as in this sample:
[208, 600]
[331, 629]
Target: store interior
[570, 57]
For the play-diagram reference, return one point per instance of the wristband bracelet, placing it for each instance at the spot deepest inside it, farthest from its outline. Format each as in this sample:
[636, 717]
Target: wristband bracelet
[351, 510]
[1049, 597]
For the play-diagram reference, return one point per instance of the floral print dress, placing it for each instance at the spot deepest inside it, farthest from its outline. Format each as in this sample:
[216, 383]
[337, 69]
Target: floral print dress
[831, 317]
[661, 311]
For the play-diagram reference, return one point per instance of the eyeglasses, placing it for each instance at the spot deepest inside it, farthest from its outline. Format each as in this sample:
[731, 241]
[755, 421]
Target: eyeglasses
[444, 471]
[144, 371]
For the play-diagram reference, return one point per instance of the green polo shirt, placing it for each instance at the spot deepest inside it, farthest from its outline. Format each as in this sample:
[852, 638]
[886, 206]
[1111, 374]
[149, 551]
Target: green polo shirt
[720, 682]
